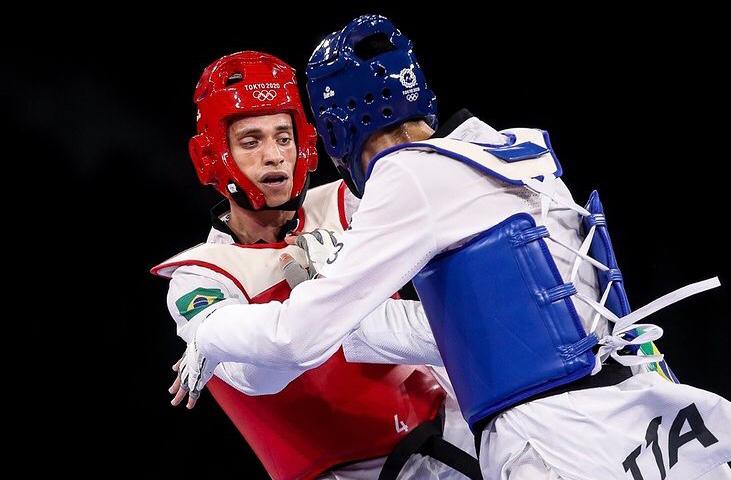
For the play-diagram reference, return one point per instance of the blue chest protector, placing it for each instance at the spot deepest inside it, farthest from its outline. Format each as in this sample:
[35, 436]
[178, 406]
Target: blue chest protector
[503, 320]
[502, 316]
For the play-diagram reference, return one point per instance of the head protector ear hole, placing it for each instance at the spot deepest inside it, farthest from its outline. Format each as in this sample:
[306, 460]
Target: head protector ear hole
[366, 119]
[387, 112]
[368, 98]
[331, 133]
[234, 78]
[352, 104]
[373, 45]
[386, 93]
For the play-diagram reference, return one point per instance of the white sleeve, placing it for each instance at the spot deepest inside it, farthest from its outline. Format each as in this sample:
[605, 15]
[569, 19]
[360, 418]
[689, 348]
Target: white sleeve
[193, 294]
[391, 240]
[396, 332]
[254, 379]
[215, 291]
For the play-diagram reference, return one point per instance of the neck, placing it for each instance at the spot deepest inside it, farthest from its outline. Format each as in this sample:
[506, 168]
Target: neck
[250, 226]
[407, 132]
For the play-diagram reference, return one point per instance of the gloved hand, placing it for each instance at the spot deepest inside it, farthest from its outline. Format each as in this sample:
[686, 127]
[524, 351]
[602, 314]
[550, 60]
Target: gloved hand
[321, 247]
[194, 371]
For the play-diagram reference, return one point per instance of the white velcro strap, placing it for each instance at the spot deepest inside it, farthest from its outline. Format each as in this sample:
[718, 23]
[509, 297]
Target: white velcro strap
[602, 302]
[589, 259]
[583, 251]
[611, 344]
[546, 187]
[626, 322]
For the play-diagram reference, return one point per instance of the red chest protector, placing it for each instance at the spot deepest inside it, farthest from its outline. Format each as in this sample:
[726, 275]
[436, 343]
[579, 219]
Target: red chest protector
[337, 413]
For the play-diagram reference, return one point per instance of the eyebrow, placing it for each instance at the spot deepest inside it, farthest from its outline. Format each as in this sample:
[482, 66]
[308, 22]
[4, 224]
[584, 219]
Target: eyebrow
[258, 131]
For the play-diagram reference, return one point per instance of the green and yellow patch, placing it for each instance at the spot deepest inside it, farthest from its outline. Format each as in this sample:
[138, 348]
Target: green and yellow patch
[661, 368]
[192, 303]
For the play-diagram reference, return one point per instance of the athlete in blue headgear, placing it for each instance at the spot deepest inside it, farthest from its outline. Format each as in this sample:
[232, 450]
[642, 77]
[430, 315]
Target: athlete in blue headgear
[524, 299]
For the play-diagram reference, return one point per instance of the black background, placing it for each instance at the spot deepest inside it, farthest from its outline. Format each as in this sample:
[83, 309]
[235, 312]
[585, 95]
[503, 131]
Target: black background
[102, 189]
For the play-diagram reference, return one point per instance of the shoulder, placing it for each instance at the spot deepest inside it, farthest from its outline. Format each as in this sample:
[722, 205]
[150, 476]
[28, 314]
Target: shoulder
[322, 193]
[194, 290]
[413, 167]
[324, 206]
[191, 284]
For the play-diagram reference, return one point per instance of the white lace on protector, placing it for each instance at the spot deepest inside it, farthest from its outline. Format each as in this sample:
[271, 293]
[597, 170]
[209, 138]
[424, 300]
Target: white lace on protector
[611, 344]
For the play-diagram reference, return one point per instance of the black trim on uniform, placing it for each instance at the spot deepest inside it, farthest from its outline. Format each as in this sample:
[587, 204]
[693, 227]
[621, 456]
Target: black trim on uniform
[452, 123]
[426, 439]
[289, 226]
[222, 208]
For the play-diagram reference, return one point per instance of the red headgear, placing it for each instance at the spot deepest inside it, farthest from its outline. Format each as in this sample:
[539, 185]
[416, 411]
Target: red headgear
[248, 84]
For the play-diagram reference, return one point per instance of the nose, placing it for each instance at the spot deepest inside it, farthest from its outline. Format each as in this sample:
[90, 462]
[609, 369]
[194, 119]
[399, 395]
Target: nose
[272, 154]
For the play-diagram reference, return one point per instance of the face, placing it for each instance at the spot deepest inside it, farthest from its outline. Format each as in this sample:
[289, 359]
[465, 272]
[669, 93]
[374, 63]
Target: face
[263, 147]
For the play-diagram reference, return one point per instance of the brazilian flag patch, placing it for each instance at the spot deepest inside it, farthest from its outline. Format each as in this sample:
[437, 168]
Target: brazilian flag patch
[191, 304]
[661, 367]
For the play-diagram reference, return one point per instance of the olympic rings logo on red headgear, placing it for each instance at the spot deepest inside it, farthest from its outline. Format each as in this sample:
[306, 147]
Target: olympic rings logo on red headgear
[264, 95]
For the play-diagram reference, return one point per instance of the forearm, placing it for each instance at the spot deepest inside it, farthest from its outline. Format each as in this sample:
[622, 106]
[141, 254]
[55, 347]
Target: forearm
[300, 333]
[397, 332]
[255, 380]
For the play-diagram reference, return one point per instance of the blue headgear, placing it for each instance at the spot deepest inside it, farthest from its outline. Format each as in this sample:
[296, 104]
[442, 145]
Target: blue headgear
[360, 80]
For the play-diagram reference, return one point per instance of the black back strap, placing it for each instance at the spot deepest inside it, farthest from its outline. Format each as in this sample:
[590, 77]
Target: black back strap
[611, 373]
[426, 439]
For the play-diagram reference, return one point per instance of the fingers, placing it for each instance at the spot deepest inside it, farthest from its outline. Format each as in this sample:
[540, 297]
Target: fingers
[285, 259]
[175, 389]
[291, 239]
[320, 235]
[179, 396]
[191, 377]
[294, 273]
[175, 386]
[301, 242]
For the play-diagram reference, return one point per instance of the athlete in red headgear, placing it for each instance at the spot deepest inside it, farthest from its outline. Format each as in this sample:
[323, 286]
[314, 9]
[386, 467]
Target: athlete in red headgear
[250, 84]
[340, 420]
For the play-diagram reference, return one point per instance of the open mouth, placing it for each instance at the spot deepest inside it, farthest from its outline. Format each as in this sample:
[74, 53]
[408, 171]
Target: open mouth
[274, 179]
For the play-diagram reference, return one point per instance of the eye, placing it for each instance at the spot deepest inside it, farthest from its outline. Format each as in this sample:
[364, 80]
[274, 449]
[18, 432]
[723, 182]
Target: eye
[248, 143]
[285, 140]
